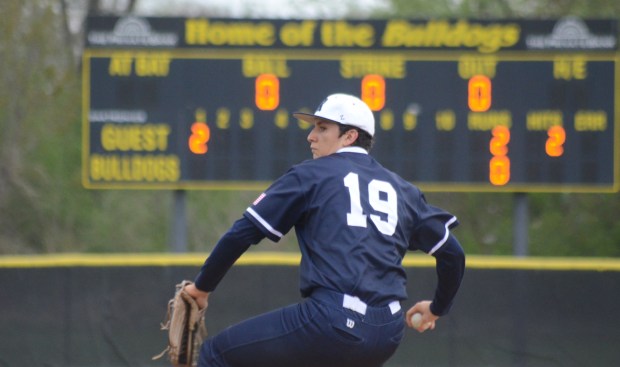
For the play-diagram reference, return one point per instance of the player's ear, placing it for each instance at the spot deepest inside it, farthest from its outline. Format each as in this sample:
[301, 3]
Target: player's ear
[351, 136]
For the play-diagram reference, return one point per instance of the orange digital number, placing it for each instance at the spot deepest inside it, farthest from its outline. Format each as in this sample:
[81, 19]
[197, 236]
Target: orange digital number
[555, 143]
[200, 137]
[267, 92]
[373, 91]
[499, 166]
[501, 138]
[479, 93]
[499, 170]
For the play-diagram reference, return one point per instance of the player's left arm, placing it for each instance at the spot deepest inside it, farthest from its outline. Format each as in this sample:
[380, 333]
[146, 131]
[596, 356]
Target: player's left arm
[229, 248]
[201, 297]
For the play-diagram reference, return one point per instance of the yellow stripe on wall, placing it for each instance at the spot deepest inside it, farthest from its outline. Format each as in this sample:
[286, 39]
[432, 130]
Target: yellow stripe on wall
[292, 259]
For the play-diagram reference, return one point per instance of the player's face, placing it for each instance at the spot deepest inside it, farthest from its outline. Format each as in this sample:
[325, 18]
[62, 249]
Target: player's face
[324, 139]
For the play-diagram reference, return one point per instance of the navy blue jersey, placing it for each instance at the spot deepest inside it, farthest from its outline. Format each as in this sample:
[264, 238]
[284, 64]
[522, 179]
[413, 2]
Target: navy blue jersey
[354, 221]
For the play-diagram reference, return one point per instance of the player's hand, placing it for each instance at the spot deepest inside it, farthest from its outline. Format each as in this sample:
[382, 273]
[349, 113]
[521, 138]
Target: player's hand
[201, 297]
[428, 318]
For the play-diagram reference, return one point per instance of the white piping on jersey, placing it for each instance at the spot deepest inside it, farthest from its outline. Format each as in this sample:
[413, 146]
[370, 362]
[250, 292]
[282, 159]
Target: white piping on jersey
[264, 222]
[352, 150]
[445, 237]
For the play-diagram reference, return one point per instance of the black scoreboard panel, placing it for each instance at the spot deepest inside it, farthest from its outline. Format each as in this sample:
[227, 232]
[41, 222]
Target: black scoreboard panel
[446, 120]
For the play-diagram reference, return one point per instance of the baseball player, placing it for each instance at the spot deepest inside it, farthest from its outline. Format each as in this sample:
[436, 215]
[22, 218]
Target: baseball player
[354, 222]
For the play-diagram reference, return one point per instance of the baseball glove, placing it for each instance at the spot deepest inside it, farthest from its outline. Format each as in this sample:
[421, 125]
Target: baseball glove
[185, 323]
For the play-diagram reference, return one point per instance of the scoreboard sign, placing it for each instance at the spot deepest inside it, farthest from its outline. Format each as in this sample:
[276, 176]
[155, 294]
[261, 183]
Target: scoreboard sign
[460, 105]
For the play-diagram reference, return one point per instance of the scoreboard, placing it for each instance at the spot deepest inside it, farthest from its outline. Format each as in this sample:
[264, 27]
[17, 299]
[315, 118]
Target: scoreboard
[460, 105]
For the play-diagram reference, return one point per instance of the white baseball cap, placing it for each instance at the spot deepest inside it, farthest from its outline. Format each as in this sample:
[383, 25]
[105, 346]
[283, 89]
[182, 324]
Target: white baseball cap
[342, 109]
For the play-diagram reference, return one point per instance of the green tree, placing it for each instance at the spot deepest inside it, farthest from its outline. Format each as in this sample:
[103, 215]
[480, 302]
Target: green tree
[43, 207]
[38, 91]
[502, 8]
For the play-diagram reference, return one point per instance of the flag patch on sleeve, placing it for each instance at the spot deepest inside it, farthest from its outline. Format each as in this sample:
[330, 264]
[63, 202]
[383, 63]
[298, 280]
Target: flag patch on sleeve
[259, 198]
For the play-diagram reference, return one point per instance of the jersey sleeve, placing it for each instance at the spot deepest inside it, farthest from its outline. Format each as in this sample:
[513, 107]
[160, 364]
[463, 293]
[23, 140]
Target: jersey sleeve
[432, 235]
[277, 209]
[450, 268]
[433, 228]
[228, 249]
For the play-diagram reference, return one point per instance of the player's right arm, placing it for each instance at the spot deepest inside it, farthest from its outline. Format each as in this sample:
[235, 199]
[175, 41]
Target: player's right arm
[428, 319]
[432, 235]
[450, 266]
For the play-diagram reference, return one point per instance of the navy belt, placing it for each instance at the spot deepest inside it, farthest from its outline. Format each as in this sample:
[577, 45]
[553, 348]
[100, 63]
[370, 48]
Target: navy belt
[354, 303]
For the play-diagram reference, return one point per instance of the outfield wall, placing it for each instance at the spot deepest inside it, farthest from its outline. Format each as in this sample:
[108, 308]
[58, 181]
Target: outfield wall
[105, 310]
